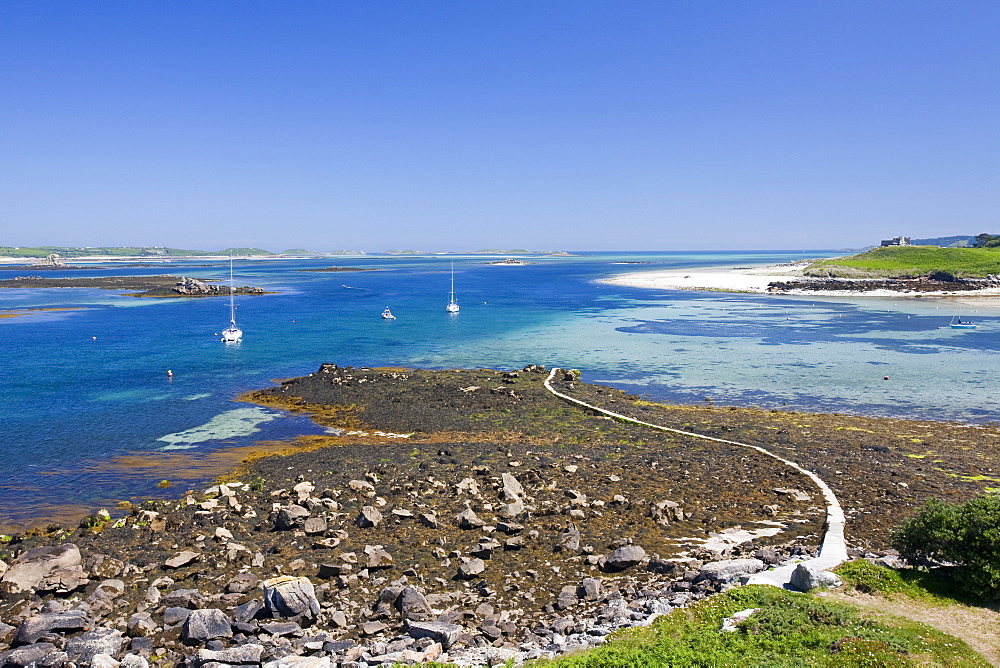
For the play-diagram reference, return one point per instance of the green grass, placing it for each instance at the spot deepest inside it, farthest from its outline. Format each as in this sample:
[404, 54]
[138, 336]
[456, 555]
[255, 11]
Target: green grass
[935, 586]
[909, 262]
[789, 630]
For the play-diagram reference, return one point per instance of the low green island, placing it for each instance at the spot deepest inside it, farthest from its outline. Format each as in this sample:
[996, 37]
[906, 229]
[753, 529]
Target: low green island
[911, 262]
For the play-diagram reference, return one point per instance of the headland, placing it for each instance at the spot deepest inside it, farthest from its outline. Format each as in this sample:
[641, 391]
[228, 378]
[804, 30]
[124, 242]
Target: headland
[474, 509]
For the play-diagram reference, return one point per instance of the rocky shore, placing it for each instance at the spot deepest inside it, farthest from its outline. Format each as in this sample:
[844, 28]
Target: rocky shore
[464, 516]
[145, 286]
[921, 284]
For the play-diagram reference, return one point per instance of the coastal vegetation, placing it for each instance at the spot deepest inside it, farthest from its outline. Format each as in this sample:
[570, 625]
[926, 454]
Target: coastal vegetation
[904, 262]
[787, 629]
[964, 535]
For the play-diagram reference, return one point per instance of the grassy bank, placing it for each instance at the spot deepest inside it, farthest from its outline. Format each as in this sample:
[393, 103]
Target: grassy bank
[788, 630]
[910, 262]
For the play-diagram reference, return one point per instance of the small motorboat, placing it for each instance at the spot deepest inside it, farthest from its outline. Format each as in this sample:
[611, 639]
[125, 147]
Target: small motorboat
[956, 323]
[387, 314]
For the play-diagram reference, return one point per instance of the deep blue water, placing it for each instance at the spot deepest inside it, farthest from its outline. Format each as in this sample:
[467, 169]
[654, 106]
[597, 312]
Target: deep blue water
[81, 387]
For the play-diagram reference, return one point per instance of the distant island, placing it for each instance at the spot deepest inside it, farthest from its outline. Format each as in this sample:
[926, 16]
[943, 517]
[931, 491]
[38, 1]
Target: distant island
[144, 286]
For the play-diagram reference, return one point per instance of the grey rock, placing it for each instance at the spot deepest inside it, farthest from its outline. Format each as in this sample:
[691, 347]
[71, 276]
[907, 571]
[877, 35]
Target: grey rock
[446, 634]
[182, 598]
[625, 556]
[512, 489]
[173, 616]
[805, 578]
[467, 519]
[290, 517]
[768, 556]
[35, 627]
[731, 569]
[247, 611]
[429, 519]
[470, 568]
[377, 557]
[569, 541]
[287, 596]
[314, 526]
[133, 661]
[56, 660]
[85, 647]
[591, 589]
[242, 583]
[206, 624]
[31, 569]
[282, 628]
[567, 598]
[512, 509]
[181, 559]
[412, 604]
[27, 655]
[371, 628]
[103, 661]
[338, 619]
[242, 654]
[141, 624]
[7, 633]
[369, 517]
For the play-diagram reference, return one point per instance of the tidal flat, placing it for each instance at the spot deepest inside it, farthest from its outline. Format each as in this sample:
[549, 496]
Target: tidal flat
[498, 507]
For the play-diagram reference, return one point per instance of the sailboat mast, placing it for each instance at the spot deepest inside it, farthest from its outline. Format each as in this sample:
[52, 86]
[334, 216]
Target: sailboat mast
[232, 303]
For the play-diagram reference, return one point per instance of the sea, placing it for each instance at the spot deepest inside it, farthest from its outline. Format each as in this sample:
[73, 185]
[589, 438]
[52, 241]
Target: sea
[90, 416]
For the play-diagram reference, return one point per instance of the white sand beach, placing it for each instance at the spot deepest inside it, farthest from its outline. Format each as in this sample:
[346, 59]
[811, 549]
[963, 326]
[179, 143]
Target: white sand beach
[757, 278]
[721, 279]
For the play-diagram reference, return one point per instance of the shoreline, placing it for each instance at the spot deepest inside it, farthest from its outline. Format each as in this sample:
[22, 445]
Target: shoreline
[549, 500]
[756, 279]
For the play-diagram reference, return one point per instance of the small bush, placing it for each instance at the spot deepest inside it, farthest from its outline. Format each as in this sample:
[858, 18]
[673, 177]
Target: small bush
[966, 534]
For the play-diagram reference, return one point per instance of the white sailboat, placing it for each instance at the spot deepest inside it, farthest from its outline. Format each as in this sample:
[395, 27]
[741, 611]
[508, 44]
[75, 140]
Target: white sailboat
[232, 334]
[387, 314]
[452, 306]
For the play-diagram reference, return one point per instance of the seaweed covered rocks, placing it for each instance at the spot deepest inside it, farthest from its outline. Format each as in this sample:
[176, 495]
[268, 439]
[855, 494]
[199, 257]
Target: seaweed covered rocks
[449, 514]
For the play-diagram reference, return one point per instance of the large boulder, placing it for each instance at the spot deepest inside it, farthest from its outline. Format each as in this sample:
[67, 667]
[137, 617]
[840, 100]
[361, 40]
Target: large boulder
[805, 578]
[412, 604]
[625, 556]
[46, 568]
[731, 569]
[446, 634]
[26, 655]
[83, 648]
[291, 517]
[287, 596]
[35, 627]
[206, 624]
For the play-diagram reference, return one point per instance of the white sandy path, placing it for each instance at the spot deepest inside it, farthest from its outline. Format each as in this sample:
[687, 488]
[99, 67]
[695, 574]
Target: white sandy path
[833, 549]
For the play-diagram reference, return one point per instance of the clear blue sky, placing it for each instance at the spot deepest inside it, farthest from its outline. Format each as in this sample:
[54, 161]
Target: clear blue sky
[545, 124]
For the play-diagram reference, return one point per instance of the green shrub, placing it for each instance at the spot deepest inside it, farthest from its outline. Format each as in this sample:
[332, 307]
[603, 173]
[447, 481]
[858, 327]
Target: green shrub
[966, 534]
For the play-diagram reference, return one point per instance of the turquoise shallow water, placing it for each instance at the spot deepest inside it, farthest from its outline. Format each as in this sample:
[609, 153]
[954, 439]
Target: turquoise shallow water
[70, 403]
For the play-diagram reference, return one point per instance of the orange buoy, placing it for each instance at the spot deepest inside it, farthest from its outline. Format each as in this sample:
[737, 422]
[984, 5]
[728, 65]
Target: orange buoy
[885, 377]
